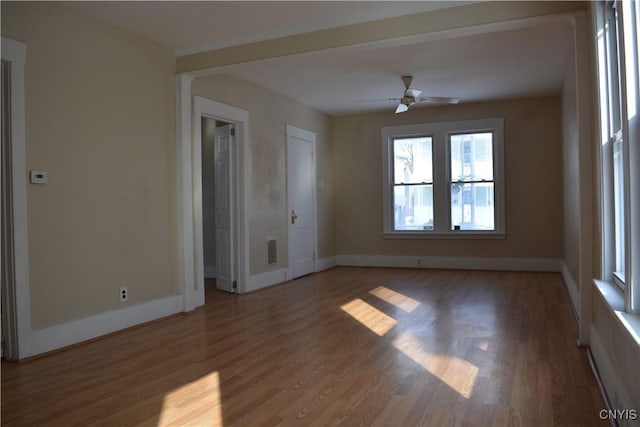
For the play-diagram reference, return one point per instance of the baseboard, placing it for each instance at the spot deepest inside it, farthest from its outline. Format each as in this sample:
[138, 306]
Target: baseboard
[76, 331]
[326, 263]
[210, 272]
[601, 389]
[262, 280]
[572, 288]
[270, 278]
[614, 390]
[454, 263]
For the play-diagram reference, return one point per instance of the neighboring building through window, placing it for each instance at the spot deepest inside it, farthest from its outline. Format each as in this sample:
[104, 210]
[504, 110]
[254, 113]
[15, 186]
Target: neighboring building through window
[443, 179]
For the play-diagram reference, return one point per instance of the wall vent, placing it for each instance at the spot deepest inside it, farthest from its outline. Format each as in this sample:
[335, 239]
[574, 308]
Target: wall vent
[272, 252]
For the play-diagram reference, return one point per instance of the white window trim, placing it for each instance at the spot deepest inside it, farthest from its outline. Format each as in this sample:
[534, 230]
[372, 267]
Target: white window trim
[628, 286]
[440, 133]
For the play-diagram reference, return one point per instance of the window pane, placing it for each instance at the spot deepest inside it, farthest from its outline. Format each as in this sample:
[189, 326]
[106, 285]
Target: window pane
[472, 206]
[618, 207]
[611, 32]
[472, 157]
[412, 163]
[413, 207]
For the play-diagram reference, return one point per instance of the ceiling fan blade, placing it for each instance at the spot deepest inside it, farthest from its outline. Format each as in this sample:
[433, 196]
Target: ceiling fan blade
[401, 108]
[413, 92]
[438, 100]
[380, 100]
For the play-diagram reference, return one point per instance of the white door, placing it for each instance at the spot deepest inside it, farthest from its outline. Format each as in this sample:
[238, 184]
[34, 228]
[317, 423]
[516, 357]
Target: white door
[224, 209]
[301, 173]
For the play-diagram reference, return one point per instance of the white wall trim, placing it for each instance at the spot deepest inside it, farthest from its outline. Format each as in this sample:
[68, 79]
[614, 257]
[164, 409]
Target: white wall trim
[572, 288]
[585, 117]
[616, 392]
[185, 227]
[16, 52]
[269, 278]
[455, 263]
[55, 337]
[326, 263]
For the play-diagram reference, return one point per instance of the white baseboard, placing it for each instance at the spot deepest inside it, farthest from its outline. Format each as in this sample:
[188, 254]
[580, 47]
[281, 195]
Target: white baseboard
[326, 263]
[269, 278]
[454, 263]
[616, 392]
[572, 287]
[210, 272]
[76, 331]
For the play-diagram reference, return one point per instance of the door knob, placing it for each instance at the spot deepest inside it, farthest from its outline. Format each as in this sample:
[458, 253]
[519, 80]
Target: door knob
[293, 217]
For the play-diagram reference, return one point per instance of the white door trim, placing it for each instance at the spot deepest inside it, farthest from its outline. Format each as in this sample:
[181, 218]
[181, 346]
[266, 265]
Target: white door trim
[15, 53]
[240, 118]
[305, 135]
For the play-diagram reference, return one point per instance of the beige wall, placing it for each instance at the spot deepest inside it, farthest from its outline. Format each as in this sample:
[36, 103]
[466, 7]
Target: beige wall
[100, 121]
[268, 115]
[571, 173]
[533, 170]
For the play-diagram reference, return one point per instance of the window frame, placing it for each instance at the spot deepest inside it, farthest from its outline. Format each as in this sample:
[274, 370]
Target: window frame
[440, 132]
[618, 92]
[614, 142]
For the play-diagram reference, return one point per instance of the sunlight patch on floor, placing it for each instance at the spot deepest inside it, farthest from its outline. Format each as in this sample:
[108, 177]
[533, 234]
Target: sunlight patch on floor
[401, 301]
[457, 373]
[369, 316]
[196, 403]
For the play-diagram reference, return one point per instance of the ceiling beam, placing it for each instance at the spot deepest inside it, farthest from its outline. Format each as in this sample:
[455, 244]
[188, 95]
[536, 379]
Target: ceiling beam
[438, 21]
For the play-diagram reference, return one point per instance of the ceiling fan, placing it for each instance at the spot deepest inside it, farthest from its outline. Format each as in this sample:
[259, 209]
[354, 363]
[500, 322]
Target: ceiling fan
[412, 96]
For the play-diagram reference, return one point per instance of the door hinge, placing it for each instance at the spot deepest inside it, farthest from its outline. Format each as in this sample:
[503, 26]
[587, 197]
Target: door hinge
[234, 285]
[233, 131]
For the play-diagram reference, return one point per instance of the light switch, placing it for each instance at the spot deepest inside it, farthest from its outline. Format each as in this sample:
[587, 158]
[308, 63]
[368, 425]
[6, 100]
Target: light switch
[38, 177]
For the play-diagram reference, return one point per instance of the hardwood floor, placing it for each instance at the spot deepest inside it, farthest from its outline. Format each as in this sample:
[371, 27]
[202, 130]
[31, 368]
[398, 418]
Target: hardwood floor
[349, 346]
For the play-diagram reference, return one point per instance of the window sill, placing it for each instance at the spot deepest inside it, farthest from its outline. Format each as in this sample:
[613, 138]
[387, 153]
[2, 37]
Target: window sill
[614, 298]
[459, 235]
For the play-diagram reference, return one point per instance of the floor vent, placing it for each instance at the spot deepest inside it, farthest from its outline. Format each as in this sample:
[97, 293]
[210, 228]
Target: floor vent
[272, 252]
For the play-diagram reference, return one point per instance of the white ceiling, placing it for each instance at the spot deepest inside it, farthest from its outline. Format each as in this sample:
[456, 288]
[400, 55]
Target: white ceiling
[528, 59]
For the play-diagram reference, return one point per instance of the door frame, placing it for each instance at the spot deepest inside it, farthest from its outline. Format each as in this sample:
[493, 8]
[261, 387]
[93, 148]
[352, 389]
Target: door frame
[189, 191]
[305, 135]
[18, 311]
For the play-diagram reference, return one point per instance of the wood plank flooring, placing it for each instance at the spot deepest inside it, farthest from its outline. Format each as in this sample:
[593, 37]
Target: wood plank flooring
[348, 346]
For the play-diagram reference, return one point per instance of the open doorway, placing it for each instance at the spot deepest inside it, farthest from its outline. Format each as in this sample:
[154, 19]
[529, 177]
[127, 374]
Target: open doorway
[214, 189]
[190, 232]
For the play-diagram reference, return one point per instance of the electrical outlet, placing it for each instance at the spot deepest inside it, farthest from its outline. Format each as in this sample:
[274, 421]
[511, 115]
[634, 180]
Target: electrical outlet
[124, 294]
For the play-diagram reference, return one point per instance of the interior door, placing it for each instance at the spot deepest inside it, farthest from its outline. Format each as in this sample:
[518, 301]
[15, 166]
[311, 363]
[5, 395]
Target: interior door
[225, 279]
[301, 201]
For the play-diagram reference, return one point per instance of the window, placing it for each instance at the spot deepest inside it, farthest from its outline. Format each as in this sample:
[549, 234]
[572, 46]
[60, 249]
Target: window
[617, 55]
[471, 181]
[443, 179]
[412, 184]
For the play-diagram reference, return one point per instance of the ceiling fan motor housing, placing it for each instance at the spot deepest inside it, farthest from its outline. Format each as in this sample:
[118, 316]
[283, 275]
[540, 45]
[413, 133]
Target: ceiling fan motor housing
[408, 100]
